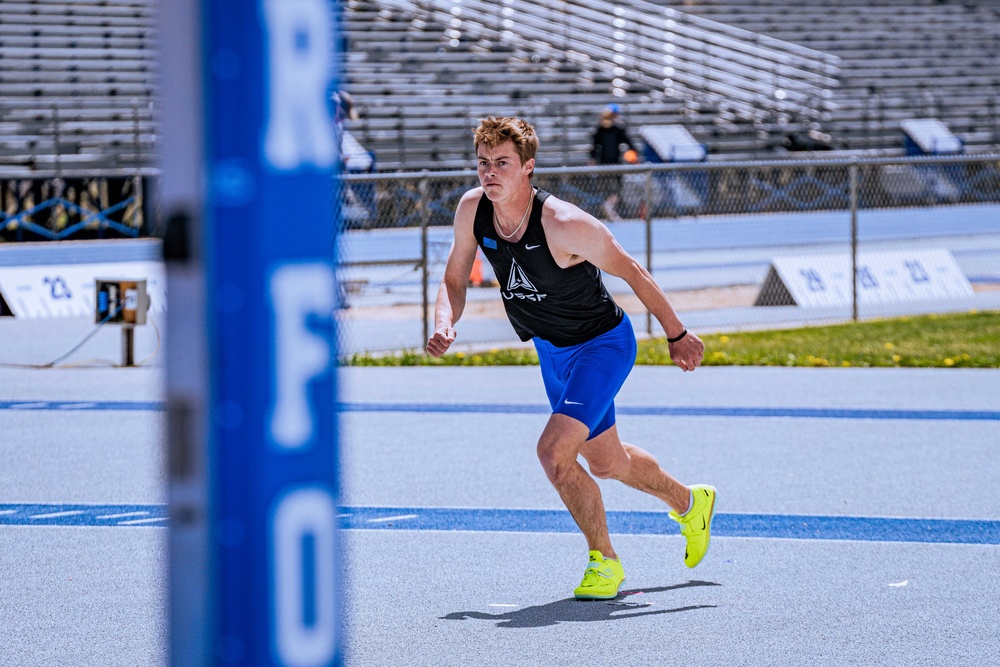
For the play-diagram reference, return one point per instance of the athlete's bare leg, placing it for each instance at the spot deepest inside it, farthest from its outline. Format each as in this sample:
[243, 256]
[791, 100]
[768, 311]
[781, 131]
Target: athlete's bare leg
[558, 449]
[610, 458]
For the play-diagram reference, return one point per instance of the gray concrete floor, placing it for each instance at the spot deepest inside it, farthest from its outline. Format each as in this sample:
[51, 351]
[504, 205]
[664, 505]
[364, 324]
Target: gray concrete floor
[79, 595]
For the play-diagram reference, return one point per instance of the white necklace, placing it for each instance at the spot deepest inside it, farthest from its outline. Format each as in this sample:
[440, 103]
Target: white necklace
[496, 223]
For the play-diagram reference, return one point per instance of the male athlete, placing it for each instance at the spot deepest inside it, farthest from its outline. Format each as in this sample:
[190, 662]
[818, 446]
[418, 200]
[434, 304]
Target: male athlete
[548, 256]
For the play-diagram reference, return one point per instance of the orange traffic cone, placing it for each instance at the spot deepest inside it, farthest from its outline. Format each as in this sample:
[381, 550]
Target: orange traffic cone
[476, 278]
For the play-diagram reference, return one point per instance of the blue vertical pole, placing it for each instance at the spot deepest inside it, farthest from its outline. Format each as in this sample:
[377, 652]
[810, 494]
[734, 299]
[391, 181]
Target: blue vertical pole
[255, 567]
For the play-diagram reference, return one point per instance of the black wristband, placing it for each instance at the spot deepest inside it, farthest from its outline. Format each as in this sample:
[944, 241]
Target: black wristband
[674, 340]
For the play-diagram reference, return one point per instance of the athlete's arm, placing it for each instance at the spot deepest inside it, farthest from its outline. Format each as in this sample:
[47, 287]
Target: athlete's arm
[451, 295]
[575, 236]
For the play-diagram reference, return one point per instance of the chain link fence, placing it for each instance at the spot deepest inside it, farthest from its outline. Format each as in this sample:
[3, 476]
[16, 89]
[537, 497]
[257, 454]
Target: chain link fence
[734, 245]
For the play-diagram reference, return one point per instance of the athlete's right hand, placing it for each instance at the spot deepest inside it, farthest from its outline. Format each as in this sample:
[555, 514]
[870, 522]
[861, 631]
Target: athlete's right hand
[440, 341]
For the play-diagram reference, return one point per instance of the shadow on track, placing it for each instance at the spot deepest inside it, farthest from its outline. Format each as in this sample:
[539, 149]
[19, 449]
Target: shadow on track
[572, 610]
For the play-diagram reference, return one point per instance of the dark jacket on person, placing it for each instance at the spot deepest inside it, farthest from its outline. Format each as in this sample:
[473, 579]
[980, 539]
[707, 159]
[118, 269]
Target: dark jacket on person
[607, 144]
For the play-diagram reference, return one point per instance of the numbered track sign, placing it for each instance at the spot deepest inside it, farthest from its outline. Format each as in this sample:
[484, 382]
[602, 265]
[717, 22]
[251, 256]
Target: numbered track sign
[814, 281]
[69, 290]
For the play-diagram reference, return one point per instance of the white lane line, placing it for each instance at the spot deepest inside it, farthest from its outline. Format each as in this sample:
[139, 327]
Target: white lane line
[122, 515]
[29, 406]
[54, 515]
[136, 522]
[8, 511]
[401, 517]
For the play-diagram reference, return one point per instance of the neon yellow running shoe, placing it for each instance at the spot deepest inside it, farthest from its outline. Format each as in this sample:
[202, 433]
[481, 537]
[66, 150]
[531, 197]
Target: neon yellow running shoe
[601, 579]
[696, 524]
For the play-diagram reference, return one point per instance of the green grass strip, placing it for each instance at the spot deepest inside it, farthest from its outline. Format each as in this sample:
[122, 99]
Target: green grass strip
[964, 340]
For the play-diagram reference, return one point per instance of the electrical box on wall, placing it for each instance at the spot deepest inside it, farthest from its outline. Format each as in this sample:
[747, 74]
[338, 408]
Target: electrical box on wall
[120, 301]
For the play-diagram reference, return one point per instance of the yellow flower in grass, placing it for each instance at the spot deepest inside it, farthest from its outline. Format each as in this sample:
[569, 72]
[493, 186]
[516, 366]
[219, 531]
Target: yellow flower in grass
[889, 346]
[949, 362]
[896, 358]
[460, 355]
[723, 339]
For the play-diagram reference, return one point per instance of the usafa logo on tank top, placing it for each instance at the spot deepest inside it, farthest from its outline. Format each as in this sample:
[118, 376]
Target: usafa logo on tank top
[519, 281]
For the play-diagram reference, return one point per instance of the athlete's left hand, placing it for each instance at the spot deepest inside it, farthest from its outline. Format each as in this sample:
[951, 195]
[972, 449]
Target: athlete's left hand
[688, 352]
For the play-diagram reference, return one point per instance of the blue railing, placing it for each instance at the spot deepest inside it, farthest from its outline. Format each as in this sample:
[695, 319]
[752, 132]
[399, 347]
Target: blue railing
[55, 209]
[94, 220]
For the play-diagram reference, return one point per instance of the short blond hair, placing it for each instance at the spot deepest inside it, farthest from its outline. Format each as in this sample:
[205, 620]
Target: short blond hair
[495, 130]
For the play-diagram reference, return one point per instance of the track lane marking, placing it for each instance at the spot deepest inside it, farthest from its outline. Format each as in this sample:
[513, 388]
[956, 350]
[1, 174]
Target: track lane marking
[55, 515]
[500, 520]
[122, 515]
[540, 409]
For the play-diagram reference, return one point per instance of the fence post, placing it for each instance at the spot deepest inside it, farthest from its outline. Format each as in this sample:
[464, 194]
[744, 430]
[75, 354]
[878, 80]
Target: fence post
[648, 216]
[425, 214]
[853, 172]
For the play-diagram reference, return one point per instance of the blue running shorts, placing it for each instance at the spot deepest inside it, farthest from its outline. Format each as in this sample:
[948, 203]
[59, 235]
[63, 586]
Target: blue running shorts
[582, 380]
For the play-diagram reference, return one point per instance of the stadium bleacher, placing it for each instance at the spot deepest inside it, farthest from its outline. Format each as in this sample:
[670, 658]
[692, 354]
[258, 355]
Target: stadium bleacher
[746, 79]
[560, 63]
[77, 82]
[899, 59]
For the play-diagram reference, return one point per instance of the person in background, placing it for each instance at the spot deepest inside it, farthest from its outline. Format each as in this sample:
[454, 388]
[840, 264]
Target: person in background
[352, 155]
[344, 110]
[609, 137]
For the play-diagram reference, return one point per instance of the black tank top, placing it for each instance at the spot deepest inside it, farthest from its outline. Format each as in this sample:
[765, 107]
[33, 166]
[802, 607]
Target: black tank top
[563, 306]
